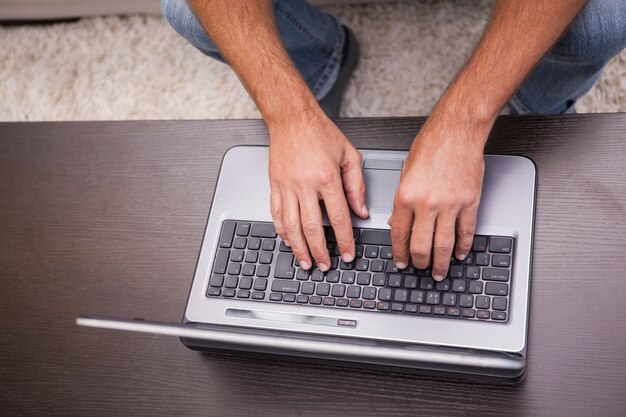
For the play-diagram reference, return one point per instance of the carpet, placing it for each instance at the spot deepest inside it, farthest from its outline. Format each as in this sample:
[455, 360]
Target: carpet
[137, 67]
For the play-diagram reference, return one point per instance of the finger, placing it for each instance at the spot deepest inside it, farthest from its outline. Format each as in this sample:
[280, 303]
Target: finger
[443, 244]
[401, 221]
[465, 228]
[291, 219]
[311, 215]
[277, 214]
[352, 176]
[339, 216]
[422, 238]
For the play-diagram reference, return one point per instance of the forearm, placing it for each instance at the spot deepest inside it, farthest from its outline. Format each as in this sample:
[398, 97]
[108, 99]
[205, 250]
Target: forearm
[245, 32]
[517, 36]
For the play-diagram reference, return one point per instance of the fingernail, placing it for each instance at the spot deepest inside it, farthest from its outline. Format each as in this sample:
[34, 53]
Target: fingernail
[304, 265]
[401, 265]
[323, 267]
[461, 256]
[347, 257]
[364, 210]
[287, 243]
[437, 277]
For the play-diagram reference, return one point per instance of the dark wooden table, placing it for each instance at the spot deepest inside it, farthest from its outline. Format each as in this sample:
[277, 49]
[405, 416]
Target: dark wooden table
[107, 218]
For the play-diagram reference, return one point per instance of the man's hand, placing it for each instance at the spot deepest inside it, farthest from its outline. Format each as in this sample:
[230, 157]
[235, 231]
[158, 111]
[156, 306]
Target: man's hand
[311, 160]
[439, 193]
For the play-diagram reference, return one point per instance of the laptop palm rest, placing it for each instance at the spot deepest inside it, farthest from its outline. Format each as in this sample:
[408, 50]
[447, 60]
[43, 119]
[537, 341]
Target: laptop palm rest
[289, 317]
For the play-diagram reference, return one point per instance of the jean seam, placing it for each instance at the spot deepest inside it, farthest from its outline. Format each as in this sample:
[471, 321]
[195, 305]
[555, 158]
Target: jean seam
[299, 26]
[331, 67]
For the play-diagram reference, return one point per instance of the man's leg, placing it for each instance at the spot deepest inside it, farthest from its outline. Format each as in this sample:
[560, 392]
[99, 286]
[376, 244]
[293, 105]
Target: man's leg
[313, 39]
[576, 61]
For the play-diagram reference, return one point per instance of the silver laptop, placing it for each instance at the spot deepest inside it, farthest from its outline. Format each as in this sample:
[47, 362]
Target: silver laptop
[249, 295]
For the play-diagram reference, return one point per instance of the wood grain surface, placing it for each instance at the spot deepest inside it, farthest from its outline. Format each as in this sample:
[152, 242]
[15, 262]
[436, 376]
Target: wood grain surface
[107, 218]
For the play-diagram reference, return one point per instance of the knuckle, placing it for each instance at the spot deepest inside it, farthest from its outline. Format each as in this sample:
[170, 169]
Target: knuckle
[311, 227]
[326, 176]
[405, 197]
[399, 235]
[444, 245]
[419, 251]
[291, 226]
[339, 219]
[466, 232]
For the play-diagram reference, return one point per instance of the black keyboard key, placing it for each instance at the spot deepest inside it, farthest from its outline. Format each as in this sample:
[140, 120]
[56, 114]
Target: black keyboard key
[466, 300]
[432, 297]
[497, 288]
[323, 289]
[213, 292]
[469, 259]
[302, 299]
[285, 286]
[346, 265]
[216, 280]
[363, 278]
[480, 244]
[231, 282]
[236, 256]
[371, 252]
[395, 280]
[328, 301]
[502, 261]
[348, 277]
[468, 312]
[338, 290]
[260, 284]
[221, 261]
[410, 281]
[356, 303]
[498, 315]
[499, 303]
[263, 271]
[456, 271]
[400, 295]
[284, 248]
[332, 276]
[283, 266]
[449, 299]
[495, 274]
[243, 229]
[397, 307]
[382, 305]
[384, 294]
[240, 243]
[245, 283]
[268, 245]
[342, 302]
[361, 264]
[228, 292]
[317, 275]
[308, 288]
[439, 311]
[354, 291]
[252, 256]
[379, 280]
[334, 262]
[369, 304]
[425, 309]
[427, 283]
[315, 299]
[459, 285]
[443, 285]
[376, 237]
[248, 270]
[476, 287]
[410, 308]
[302, 275]
[276, 297]
[391, 267]
[454, 311]
[369, 293]
[289, 298]
[254, 243]
[263, 230]
[500, 244]
[234, 269]
[358, 251]
[385, 252]
[228, 231]
[482, 259]
[482, 314]
[472, 272]
[483, 302]
[243, 294]
[417, 297]
[377, 265]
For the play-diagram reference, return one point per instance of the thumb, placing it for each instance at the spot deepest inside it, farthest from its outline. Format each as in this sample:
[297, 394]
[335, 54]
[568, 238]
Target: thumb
[353, 183]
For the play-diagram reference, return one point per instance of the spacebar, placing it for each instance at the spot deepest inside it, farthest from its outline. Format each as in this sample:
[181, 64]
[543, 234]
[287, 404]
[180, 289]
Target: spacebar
[376, 237]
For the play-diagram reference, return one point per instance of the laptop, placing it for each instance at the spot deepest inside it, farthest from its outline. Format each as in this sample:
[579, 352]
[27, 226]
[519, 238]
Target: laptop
[249, 295]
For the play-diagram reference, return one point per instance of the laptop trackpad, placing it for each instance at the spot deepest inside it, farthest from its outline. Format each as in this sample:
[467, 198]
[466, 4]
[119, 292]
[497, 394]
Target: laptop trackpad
[381, 180]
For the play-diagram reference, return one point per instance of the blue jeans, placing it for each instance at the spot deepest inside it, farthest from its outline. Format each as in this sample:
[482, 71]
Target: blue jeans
[314, 41]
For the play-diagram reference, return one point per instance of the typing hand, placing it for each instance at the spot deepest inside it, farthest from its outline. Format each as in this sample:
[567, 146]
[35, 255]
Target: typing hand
[439, 192]
[311, 160]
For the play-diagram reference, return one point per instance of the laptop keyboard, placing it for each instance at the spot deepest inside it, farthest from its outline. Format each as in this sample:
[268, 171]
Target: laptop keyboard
[252, 263]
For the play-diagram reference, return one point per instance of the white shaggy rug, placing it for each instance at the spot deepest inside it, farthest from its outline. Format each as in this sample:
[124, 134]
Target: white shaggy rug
[137, 67]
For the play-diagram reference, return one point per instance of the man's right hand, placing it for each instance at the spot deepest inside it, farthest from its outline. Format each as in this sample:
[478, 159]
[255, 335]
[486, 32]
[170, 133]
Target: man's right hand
[312, 161]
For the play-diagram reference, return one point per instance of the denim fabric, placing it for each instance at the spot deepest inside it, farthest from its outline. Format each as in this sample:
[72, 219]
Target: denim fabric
[313, 39]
